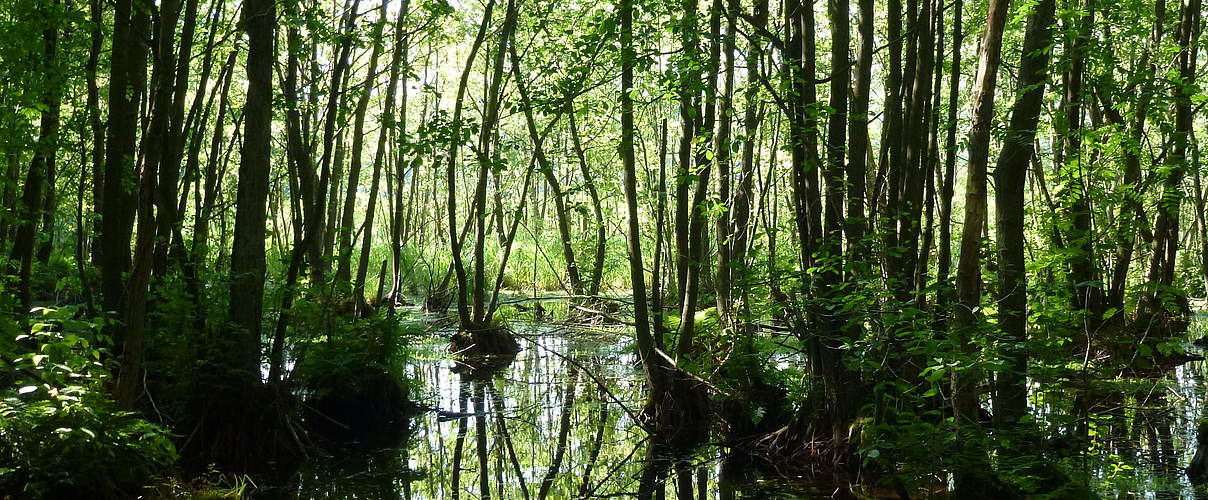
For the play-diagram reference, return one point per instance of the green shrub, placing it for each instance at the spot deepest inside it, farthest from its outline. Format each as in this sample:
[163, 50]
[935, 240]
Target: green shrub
[354, 379]
[61, 435]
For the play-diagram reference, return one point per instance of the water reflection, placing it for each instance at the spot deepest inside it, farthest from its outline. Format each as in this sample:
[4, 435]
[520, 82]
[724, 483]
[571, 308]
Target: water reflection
[558, 421]
[554, 422]
[1133, 437]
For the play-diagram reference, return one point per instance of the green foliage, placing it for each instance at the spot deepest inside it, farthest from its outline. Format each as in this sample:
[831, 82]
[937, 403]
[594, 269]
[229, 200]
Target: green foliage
[56, 281]
[348, 353]
[60, 432]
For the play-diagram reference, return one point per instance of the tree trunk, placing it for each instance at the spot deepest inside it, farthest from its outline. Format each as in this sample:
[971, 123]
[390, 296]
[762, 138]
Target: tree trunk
[948, 190]
[689, 111]
[1010, 180]
[96, 126]
[345, 231]
[214, 164]
[127, 80]
[651, 366]
[41, 166]
[551, 180]
[744, 195]
[968, 273]
[398, 58]
[723, 282]
[911, 174]
[1088, 291]
[168, 225]
[858, 142]
[463, 309]
[486, 163]
[247, 250]
[322, 213]
[1165, 305]
[1131, 187]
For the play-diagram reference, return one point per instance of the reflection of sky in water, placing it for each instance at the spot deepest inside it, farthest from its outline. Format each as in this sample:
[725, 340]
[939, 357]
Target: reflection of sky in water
[533, 391]
[1177, 399]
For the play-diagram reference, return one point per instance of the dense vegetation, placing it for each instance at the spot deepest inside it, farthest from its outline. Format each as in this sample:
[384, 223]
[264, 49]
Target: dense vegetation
[216, 213]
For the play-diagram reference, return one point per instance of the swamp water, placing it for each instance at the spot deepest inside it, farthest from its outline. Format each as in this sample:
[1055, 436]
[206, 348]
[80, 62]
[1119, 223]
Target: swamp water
[557, 423]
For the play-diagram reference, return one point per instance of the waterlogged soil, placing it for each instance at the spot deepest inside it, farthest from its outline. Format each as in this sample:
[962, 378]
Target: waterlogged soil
[557, 422]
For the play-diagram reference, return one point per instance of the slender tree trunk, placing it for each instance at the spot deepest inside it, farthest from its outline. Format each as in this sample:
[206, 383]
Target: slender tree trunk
[723, 282]
[658, 288]
[1164, 303]
[390, 120]
[127, 81]
[689, 112]
[96, 125]
[486, 162]
[8, 193]
[154, 148]
[1088, 292]
[911, 174]
[168, 224]
[50, 204]
[637, 273]
[803, 142]
[1131, 186]
[968, 272]
[551, 180]
[345, 230]
[214, 164]
[948, 189]
[1010, 181]
[1200, 207]
[858, 142]
[965, 318]
[743, 197]
[886, 211]
[41, 166]
[597, 210]
[323, 190]
[463, 309]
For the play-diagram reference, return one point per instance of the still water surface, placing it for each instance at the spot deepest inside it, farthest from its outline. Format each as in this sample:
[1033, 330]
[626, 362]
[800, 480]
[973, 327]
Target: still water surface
[557, 423]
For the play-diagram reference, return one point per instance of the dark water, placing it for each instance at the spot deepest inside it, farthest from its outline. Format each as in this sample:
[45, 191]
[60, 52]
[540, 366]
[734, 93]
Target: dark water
[558, 419]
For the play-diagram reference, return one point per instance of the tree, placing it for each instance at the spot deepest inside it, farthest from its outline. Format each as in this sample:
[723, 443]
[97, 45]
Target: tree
[1010, 178]
[247, 250]
[43, 164]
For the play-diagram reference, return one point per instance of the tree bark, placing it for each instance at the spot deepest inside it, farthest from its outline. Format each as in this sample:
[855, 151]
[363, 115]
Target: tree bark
[858, 142]
[486, 163]
[127, 80]
[247, 250]
[345, 230]
[42, 165]
[455, 243]
[968, 273]
[723, 281]
[323, 214]
[390, 121]
[637, 274]
[1010, 181]
[1088, 291]
[1131, 187]
[948, 189]
[1165, 304]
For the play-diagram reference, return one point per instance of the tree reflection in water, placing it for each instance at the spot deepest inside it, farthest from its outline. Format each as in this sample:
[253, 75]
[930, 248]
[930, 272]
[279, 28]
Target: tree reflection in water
[557, 421]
